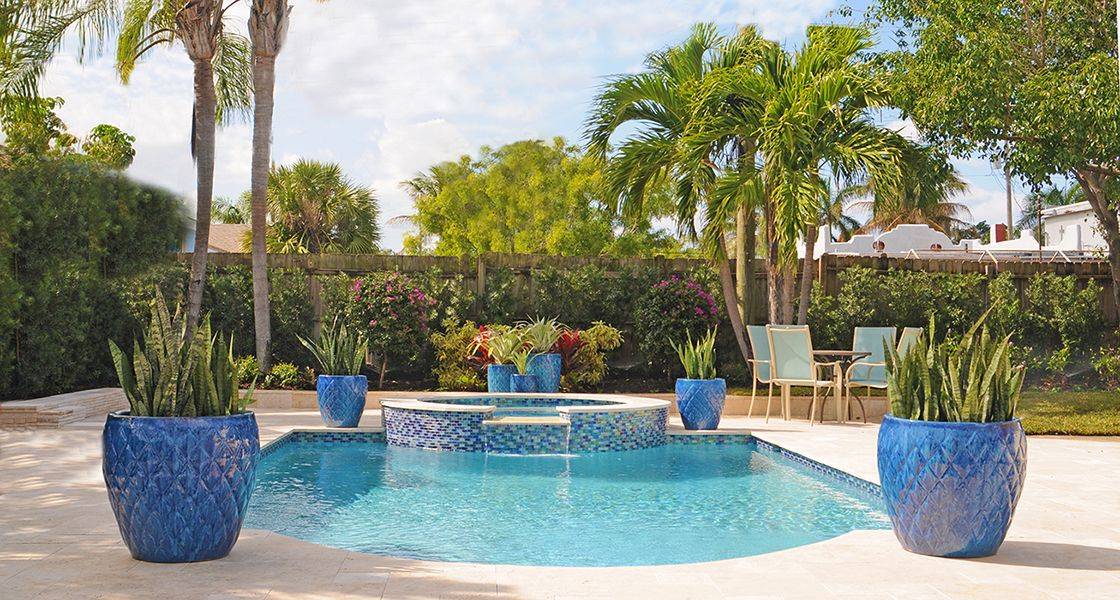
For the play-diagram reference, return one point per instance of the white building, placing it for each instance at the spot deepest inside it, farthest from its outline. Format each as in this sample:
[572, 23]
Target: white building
[1072, 227]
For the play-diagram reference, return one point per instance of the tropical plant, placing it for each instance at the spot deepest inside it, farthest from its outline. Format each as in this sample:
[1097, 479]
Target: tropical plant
[540, 335]
[659, 105]
[394, 312]
[698, 358]
[922, 192]
[171, 374]
[338, 351]
[971, 379]
[458, 361]
[587, 365]
[520, 359]
[501, 345]
[314, 208]
[222, 91]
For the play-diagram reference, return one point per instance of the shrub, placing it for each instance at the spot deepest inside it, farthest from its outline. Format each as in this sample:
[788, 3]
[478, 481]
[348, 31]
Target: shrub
[586, 365]
[670, 310]
[454, 370]
[394, 312]
[286, 376]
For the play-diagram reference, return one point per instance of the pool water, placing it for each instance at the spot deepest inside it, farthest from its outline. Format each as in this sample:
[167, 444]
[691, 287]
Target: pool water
[672, 504]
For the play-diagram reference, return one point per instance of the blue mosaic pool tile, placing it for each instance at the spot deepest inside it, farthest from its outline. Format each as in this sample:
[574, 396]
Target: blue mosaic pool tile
[737, 439]
[526, 438]
[435, 430]
[617, 430]
[872, 490]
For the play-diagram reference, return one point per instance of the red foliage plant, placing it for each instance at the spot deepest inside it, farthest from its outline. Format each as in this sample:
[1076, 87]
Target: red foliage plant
[567, 346]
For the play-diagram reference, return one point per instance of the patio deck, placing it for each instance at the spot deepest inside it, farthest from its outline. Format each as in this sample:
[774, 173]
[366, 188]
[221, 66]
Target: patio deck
[58, 539]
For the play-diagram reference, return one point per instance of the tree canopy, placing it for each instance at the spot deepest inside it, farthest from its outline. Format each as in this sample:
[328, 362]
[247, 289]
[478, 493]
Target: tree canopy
[527, 197]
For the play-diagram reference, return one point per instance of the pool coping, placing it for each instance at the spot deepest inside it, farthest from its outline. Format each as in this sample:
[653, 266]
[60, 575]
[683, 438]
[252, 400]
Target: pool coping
[675, 436]
[611, 402]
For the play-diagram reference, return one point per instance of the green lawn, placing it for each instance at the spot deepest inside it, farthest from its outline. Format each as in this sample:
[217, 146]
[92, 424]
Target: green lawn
[1071, 413]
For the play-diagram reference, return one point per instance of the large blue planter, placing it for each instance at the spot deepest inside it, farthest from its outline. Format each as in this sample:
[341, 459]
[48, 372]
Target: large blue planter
[342, 398]
[497, 377]
[180, 486]
[524, 384]
[951, 488]
[547, 369]
[700, 402]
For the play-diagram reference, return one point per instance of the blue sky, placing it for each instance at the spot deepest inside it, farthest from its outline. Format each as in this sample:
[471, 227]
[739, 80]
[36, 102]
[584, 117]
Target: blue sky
[389, 88]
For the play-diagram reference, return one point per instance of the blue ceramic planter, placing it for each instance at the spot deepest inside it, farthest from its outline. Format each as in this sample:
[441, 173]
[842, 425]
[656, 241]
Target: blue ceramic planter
[342, 398]
[180, 486]
[497, 378]
[951, 488]
[547, 369]
[523, 384]
[700, 402]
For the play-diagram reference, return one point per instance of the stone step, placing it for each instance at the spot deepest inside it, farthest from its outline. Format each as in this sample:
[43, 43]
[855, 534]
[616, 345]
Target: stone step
[528, 420]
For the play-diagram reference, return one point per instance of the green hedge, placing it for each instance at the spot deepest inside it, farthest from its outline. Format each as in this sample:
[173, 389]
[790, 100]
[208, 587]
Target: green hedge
[70, 232]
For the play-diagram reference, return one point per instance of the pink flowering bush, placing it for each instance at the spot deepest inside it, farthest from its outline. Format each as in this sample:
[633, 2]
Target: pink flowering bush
[671, 309]
[394, 312]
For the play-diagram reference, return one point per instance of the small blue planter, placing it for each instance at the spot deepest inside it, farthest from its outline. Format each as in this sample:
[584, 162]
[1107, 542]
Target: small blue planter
[497, 377]
[951, 488]
[547, 369]
[700, 402]
[180, 486]
[342, 398]
[523, 384]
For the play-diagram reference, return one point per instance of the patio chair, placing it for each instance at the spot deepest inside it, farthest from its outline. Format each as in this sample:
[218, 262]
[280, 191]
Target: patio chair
[792, 363]
[909, 336]
[760, 367]
[871, 371]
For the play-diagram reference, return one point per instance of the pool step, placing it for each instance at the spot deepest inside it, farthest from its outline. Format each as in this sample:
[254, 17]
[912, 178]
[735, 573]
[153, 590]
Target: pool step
[526, 435]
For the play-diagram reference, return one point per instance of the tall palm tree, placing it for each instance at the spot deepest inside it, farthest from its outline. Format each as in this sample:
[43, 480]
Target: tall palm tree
[268, 26]
[922, 191]
[313, 208]
[657, 105]
[222, 90]
[806, 114]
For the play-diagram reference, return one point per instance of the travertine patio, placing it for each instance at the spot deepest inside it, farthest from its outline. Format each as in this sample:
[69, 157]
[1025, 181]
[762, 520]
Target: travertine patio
[58, 539]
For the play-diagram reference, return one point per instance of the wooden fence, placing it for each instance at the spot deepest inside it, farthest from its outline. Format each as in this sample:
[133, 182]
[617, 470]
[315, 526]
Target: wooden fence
[474, 270]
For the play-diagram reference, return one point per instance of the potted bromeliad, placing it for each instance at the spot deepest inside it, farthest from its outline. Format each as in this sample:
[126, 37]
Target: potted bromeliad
[700, 394]
[181, 462]
[523, 381]
[953, 456]
[546, 364]
[340, 389]
[500, 347]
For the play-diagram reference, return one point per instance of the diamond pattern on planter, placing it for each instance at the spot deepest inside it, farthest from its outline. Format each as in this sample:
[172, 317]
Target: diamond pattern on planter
[179, 487]
[951, 488]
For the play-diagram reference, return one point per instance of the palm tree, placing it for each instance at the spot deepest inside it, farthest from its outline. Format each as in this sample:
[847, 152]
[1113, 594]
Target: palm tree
[222, 90]
[805, 114]
[228, 211]
[921, 192]
[657, 104]
[268, 26]
[313, 208]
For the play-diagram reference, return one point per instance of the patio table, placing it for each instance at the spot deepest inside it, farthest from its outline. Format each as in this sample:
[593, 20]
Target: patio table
[843, 359]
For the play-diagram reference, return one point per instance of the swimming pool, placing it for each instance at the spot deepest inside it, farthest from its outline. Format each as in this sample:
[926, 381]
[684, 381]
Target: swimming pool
[677, 503]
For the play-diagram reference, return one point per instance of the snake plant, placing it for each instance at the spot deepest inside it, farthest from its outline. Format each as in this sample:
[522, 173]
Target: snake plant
[339, 351]
[169, 375]
[698, 358]
[971, 379]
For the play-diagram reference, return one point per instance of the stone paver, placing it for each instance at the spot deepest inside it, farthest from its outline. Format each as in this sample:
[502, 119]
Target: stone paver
[58, 539]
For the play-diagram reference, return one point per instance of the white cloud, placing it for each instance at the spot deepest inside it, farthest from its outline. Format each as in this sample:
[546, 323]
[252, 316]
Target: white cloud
[387, 89]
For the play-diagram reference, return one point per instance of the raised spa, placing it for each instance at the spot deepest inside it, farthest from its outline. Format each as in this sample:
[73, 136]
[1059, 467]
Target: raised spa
[526, 423]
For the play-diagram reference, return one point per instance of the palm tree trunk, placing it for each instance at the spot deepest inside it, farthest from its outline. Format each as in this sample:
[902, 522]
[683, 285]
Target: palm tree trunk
[205, 103]
[744, 222]
[807, 272]
[773, 269]
[789, 288]
[264, 71]
[731, 301]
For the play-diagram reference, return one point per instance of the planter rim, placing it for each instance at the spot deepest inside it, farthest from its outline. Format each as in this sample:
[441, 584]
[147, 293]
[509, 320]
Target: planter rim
[951, 424]
[690, 379]
[325, 375]
[124, 414]
[523, 374]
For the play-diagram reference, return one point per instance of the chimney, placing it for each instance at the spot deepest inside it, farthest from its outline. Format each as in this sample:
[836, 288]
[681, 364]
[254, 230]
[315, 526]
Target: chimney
[1001, 232]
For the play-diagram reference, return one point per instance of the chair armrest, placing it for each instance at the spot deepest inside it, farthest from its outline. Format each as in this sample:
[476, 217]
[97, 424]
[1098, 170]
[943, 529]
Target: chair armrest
[758, 361]
[835, 364]
[868, 365]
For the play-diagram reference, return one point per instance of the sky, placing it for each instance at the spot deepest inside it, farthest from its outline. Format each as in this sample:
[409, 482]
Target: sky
[388, 89]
